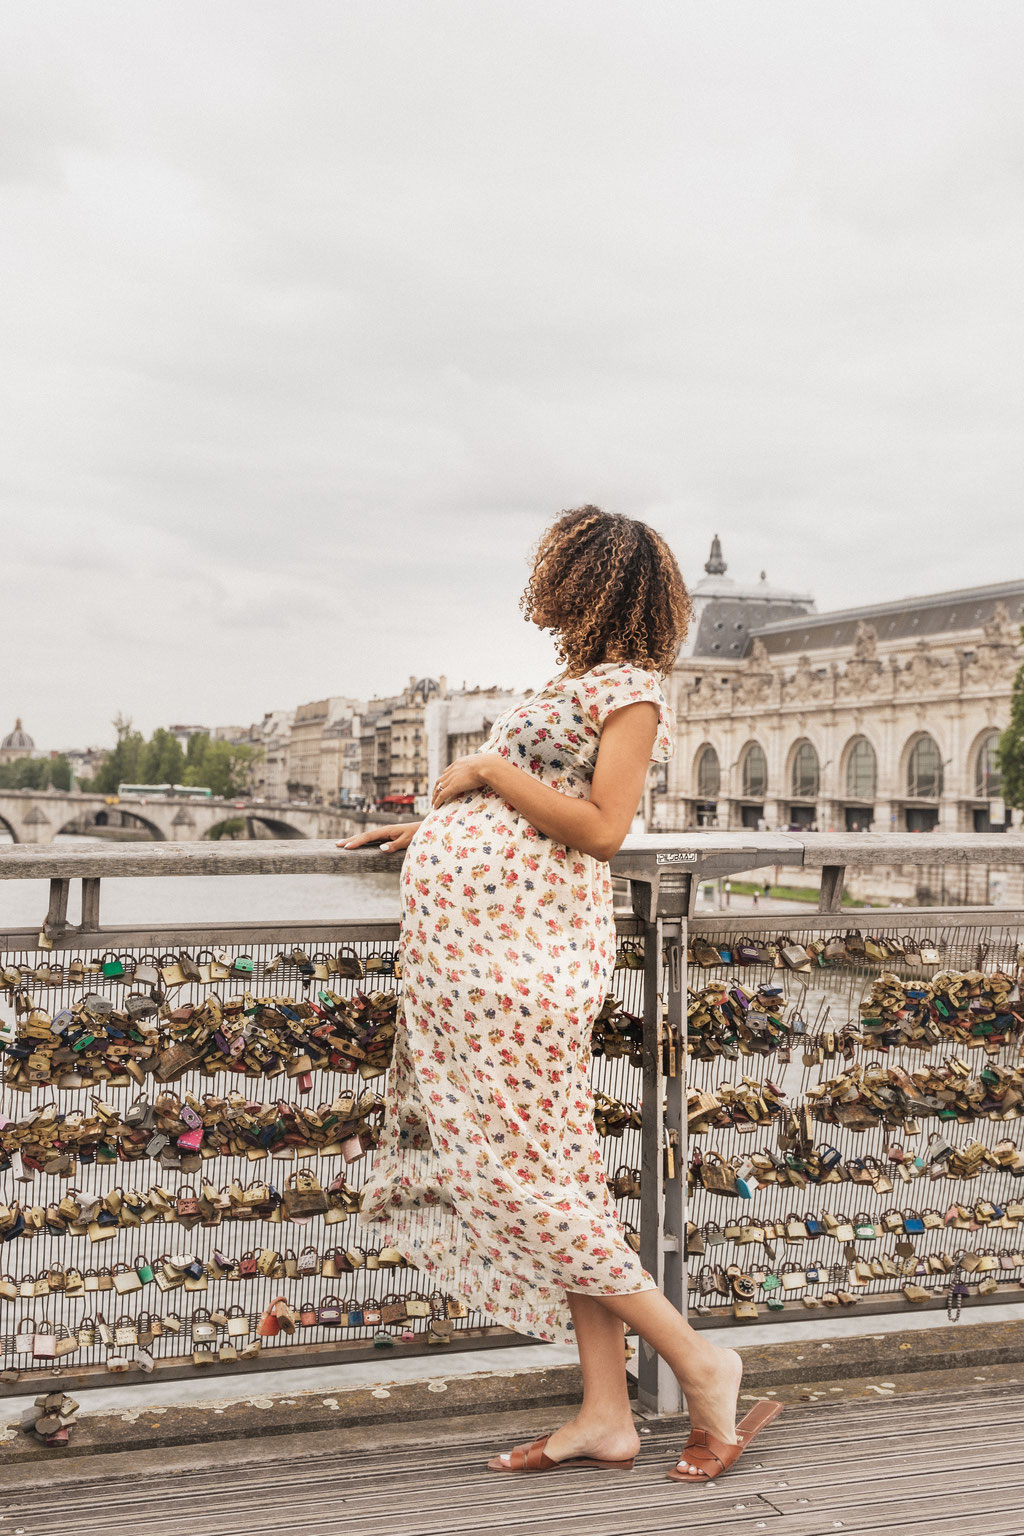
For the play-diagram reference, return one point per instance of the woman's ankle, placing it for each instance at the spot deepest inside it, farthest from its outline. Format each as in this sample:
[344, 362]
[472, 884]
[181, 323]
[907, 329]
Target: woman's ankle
[601, 1421]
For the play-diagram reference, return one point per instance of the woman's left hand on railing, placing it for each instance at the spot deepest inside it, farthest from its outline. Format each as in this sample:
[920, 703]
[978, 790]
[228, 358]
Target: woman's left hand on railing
[391, 839]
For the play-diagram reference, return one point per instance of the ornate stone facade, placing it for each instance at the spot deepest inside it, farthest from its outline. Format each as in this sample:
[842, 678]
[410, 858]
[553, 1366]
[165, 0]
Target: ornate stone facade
[882, 717]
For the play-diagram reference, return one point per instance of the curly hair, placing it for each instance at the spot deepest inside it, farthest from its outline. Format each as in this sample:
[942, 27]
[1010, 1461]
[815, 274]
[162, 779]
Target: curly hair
[610, 589]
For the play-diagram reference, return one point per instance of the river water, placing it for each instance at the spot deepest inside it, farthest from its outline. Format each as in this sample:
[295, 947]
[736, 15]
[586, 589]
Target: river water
[211, 898]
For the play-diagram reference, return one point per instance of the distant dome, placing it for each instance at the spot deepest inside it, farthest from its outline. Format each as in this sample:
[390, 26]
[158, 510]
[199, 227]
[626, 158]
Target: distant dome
[18, 741]
[426, 686]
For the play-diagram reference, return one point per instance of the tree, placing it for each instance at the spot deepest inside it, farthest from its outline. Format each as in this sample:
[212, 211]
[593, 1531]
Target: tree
[162, 760]
[204, 764]
[123, 763]
[25, 773]
[218, 765]
[60, 772]
[1010, 752]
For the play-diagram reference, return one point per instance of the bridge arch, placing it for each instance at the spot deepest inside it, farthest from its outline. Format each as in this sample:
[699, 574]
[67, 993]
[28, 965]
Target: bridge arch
[8, 827]
[104, 819]
[278, 828]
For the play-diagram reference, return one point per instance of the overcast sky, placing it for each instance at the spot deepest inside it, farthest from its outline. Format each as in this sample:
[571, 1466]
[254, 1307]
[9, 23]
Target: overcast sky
[312, 316]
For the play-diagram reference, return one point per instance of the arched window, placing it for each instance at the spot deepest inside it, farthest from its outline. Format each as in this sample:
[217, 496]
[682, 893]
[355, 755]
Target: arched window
[924, 770]
[755, 772]
[861, 771]
[988, 781]
[805, 772]
[709, 774]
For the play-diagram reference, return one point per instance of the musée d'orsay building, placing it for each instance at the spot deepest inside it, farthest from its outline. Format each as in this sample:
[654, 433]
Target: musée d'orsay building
[882, 718]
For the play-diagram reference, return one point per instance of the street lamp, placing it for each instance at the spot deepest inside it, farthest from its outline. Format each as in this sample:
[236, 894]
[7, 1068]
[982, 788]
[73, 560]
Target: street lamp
[945, 764]
[728, 780]
[821, 776]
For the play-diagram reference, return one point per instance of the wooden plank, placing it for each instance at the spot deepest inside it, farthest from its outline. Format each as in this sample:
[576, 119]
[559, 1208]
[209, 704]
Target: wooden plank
[866, 920]
[872, 1511]
[288, 856]
[637, 858]
[259, 1504]
[903, 1478]
[882, 1469]
[157, 935]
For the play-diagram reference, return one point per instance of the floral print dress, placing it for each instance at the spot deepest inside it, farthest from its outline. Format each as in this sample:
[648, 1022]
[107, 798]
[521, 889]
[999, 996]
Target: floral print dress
[489, 1175]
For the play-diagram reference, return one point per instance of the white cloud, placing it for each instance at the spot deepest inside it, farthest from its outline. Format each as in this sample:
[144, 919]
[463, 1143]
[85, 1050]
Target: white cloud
[314, 315]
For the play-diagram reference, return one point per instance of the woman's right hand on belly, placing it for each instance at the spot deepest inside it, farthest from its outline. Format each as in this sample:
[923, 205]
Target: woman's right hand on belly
[390, 839]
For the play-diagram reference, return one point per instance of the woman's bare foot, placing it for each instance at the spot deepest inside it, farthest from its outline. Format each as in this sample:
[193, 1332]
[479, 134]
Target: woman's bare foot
[605, 1442]
[712, 1390]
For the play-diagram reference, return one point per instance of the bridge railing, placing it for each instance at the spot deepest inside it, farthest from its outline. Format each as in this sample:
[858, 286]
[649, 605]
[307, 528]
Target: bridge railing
[750, 1086]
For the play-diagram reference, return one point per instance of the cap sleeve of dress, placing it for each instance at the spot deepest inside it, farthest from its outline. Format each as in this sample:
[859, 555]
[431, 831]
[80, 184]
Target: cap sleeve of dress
[604, 690]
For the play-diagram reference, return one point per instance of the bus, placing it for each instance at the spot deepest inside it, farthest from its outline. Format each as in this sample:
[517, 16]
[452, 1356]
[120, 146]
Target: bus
[162, 791]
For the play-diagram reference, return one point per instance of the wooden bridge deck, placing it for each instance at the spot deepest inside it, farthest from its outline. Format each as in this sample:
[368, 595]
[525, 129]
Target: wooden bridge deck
[936, 1463]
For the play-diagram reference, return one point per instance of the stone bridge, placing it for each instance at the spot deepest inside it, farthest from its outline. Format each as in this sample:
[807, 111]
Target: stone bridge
[37, 816]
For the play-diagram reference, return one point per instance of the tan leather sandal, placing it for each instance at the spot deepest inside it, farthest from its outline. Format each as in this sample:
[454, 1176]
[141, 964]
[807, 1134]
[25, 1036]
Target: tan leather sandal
[705, 1456]
[531, 1458]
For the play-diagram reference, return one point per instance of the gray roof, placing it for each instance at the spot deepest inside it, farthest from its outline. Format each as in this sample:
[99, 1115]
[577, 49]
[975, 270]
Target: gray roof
[726, 623]
[725, 611]
[906, 619]
[17, 740]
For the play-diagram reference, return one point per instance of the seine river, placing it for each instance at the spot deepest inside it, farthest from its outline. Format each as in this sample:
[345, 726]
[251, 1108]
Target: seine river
[210, 898]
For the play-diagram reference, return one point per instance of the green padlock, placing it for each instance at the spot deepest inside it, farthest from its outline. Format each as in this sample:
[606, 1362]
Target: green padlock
[865, 1229]
[242, 965]
[112, 967]
[775, 1303]
[770, 1283]
[144, 1270]
[81, 1043]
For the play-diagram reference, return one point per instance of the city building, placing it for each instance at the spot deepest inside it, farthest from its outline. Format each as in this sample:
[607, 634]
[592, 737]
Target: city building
[460, 723]
[883, 717]
[339, 754]
[312, 753]
[85, 763]
[16, 744]
[270, 765]
[406, 755]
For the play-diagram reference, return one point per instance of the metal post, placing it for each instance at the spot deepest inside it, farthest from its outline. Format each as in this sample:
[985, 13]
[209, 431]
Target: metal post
[90, 905]
[830, 897]
[675, 1194]
[662, 1201]
[57, 912]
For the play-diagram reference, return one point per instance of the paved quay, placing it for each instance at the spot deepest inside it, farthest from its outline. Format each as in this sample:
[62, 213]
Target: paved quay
[897, 1432]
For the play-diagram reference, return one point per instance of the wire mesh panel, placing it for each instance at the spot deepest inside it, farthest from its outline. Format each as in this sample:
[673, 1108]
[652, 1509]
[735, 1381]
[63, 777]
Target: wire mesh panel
[853, 1098]
[180, 1196]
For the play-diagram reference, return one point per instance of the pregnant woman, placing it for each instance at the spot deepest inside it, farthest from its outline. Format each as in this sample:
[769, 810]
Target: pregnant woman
[489, 1174]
